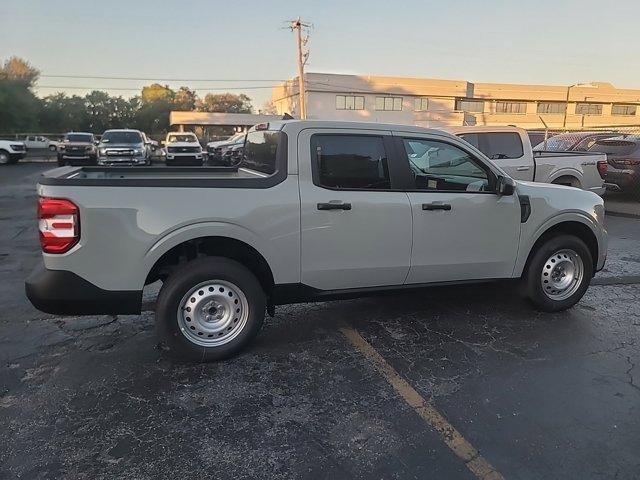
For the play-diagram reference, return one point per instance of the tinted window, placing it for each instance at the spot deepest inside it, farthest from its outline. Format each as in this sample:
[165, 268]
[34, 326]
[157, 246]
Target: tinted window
[78, 137]
[260, 151]
[182, 138]
[121, 137]
[615, 147]
[498, 145]
[350, 161]
[440, 166]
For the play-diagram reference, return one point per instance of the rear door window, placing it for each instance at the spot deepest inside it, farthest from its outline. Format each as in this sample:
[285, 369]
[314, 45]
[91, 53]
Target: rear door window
[350, 162]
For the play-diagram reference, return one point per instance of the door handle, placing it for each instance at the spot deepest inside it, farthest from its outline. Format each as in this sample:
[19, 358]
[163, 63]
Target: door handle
[334, 206]
[522, 169]
[436, 206]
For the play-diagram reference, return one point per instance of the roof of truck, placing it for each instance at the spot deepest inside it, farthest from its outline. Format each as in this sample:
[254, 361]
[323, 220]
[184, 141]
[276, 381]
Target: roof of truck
[302, 124]
[483, 129]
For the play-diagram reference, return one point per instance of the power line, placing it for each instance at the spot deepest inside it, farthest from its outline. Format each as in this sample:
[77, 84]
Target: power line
[160, 79]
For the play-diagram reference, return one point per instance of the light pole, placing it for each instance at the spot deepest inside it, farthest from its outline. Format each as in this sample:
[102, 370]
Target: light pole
[566, 107]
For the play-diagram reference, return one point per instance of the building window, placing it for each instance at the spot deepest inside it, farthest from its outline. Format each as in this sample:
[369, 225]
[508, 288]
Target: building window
[421, 104]
[389, 103]
[588, 109]
[552, 107]
[465, 105]
[517, 108]
[349, 102]
[620, 109]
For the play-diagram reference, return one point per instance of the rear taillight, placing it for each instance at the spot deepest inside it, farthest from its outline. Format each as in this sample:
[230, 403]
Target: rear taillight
[602, 168]
[59, 224]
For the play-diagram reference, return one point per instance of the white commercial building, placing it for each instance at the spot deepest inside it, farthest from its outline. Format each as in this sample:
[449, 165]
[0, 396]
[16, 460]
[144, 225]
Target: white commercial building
[436, 103]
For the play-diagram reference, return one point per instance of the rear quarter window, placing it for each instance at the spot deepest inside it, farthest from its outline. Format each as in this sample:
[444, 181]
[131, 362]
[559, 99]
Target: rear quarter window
[261, 151]
[496, 145]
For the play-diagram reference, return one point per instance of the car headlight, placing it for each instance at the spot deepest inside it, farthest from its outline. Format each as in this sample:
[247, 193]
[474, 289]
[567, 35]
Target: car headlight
[137, 151]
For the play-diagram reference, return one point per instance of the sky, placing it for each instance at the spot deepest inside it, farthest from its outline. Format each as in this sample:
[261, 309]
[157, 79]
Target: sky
[238, 46]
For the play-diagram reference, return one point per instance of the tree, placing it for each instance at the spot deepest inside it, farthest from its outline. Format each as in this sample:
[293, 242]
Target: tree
[19, 107]
[19, 71]
[225, 102]
[269, 108]
[185, 99]
[60, 113]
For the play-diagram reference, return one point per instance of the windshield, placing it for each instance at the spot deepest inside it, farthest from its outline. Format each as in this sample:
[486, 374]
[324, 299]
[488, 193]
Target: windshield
[78, 137]
[182, 138]
[121, 137]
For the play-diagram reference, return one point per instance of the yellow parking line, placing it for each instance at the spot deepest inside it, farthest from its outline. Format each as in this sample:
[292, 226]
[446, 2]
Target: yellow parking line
[477, 464]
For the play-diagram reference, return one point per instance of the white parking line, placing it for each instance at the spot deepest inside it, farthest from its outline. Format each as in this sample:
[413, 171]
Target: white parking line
[477, 464]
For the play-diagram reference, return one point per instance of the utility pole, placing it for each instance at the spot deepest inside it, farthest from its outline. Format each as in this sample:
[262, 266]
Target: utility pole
[298, 25]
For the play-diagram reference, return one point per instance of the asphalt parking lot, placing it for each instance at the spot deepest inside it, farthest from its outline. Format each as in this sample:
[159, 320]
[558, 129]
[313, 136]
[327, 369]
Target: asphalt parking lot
[351, 389]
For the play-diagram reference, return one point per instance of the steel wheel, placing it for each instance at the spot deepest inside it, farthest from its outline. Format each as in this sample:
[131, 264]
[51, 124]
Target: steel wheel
[4, 158]
[562, 274]
[213, 313]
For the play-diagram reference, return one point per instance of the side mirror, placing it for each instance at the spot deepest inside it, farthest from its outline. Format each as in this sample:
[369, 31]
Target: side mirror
[505, 186]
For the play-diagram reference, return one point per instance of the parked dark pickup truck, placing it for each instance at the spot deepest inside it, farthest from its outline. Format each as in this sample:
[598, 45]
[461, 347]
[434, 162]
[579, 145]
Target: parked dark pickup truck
[78, 148]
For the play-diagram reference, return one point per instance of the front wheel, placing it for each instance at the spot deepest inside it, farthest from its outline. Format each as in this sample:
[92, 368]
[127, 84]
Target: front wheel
[559, 273]
[209, 309]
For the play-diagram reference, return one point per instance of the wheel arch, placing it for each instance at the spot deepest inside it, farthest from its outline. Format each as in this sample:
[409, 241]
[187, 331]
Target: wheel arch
[575, 227]
[210, 246]
[567, 176]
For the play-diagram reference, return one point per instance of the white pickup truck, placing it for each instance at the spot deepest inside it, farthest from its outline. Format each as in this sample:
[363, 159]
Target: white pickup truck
[510, 149]
[317, 210]
[183, 149]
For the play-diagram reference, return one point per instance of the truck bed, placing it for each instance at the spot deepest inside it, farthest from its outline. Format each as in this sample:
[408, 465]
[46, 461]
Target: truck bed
[150, 176]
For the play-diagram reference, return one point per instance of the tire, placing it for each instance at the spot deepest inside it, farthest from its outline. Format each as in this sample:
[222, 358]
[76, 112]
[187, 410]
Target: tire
[209, 309]
[61, 162]
[52, 148]
[5, 158]
[558, 274]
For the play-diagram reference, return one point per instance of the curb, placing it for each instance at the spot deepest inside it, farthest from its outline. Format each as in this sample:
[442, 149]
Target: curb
[626, 280]
[621, 214]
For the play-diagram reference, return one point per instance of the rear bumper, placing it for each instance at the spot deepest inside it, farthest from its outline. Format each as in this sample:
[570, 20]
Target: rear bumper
[64, 293]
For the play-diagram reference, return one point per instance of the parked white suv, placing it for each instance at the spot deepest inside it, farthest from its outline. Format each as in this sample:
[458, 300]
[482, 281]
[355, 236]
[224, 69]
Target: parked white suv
[317, 210]
[11, 151]
[183, 148]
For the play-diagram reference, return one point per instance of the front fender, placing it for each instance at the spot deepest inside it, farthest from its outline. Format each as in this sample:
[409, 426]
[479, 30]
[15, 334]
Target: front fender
[529, 240]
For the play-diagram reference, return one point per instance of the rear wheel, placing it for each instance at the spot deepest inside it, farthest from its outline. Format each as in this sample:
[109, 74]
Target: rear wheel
[559, 273]
[209, 309]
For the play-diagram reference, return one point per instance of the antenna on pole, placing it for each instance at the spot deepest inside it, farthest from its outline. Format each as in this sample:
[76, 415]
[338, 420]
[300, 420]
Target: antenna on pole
[303, 55]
